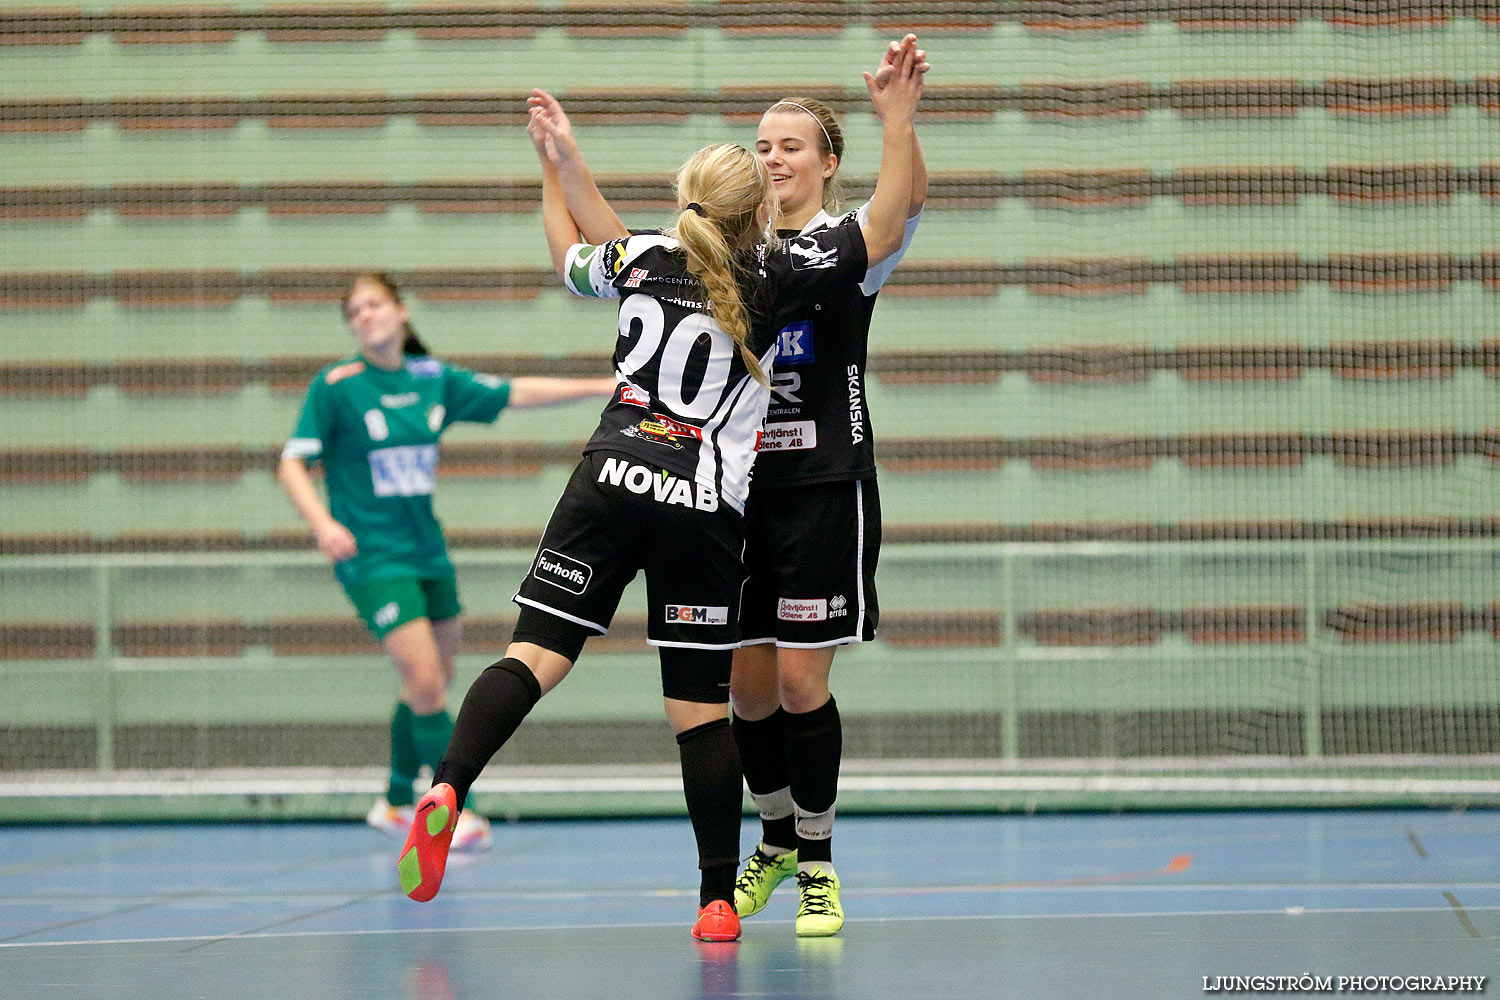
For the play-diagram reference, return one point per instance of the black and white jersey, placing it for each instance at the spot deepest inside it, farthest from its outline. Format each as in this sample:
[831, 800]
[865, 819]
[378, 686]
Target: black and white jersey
[686, 401]
[818, 424]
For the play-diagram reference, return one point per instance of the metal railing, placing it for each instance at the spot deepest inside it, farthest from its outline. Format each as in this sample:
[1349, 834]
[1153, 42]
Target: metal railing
[1313, 561]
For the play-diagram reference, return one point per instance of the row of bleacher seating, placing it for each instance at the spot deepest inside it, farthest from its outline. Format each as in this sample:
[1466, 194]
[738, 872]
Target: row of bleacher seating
[1360, 449]
[1272, 636]
[904, 533]
[343, 635]
[453, 21]
[657, 105]
[1071, 626]
[1357, 360]
[1213, 274]
[31, 290]
[1039, 734]
[1345, 184]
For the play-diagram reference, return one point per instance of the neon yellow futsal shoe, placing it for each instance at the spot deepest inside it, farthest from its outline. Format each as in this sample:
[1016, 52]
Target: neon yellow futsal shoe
[762, 874]
[818, 911]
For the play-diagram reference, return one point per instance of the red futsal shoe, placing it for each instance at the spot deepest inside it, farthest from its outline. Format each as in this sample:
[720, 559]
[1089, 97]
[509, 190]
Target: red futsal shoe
[717, 922]
[425, 855]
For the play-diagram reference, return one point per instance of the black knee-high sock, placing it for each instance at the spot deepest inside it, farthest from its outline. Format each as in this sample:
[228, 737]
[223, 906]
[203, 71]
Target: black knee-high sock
[814, 748]
[711, 784]
[496, 703]
[763, 754]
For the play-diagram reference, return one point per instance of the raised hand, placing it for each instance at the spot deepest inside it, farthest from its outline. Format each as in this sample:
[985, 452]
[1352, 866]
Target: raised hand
[550, 130]
[892, 56]
[902, 87]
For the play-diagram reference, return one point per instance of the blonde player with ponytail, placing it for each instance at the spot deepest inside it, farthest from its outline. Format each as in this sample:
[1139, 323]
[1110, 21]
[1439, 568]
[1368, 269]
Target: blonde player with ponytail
[703, 229]
[664, 479]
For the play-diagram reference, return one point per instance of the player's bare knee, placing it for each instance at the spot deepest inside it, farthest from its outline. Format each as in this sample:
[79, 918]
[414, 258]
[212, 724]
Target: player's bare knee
[753, 700]
[425, 689]
[801, 692]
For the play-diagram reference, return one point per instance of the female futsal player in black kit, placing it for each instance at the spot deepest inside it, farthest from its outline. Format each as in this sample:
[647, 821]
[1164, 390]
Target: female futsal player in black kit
[663, 481]
[812, 528]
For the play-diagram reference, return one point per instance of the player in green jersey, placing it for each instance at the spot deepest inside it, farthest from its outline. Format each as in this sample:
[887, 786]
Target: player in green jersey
[373, 422]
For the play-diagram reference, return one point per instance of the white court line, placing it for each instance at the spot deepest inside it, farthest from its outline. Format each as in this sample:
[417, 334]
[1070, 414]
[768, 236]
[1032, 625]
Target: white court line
[863, 892]
[490, 929]
[893, 783]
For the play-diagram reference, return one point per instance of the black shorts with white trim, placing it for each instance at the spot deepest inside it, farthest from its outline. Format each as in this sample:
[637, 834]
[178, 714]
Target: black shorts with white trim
[810, 552]
[618, 516]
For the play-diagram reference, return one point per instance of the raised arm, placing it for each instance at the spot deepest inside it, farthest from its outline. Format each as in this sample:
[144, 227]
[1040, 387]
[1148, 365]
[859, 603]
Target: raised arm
[561, 228]
[882, 75]
[596, 220]
[896, 104]
[536, 390]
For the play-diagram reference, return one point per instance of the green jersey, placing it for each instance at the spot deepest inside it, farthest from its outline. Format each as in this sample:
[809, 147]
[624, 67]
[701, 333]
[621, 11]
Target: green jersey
[376, 433]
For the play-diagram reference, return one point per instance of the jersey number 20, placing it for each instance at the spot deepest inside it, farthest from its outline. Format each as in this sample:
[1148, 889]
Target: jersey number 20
[673, 352]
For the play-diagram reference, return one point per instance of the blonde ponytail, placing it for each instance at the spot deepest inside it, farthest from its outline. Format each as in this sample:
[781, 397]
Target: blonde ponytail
[723, 190]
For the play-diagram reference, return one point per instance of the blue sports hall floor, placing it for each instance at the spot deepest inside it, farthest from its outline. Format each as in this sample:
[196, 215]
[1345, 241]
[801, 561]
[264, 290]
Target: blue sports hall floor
[1149, 905]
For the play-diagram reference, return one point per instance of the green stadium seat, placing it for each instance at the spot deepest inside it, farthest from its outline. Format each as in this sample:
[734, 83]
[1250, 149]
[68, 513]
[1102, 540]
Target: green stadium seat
[1040, 102]
[757, 18]
[205, 25]
[1425, 622]
[208, 24]
[46, 640]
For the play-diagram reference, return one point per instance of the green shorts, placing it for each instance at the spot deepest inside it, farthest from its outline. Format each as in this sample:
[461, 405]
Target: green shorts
[384, 605]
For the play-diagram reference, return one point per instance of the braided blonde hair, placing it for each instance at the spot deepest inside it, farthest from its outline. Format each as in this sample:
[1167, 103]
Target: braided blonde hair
[723, 192]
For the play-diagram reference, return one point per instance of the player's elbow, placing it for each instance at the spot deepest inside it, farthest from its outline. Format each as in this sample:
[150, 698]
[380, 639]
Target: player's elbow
[880, 246]
[289, 468]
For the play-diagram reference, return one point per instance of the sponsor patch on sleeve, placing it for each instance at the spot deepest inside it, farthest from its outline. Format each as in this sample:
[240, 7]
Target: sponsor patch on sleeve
[808, 254]
[340, 372]
[579, 273]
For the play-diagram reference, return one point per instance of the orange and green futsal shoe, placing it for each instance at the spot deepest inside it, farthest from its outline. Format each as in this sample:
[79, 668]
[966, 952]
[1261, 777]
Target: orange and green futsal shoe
[717, 922]
[425, 855]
